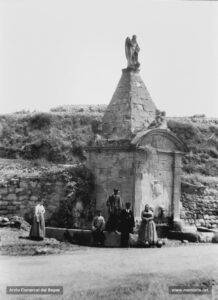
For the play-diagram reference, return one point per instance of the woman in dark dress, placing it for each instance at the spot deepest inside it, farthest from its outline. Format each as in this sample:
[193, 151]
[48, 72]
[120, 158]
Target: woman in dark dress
[147, 231]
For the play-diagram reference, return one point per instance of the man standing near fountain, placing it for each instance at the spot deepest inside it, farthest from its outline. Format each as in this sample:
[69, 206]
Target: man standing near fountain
[127, 223]
[114, 205]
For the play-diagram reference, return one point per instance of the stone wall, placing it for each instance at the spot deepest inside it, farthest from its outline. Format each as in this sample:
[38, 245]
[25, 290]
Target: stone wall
[158, 173]
[154, 182]
[18, 196]
[142, 176]
[199, 207]
[63, 192]
[112, 168]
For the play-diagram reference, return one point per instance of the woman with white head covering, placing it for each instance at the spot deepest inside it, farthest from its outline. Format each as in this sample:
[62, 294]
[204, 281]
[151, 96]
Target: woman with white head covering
[37, 231]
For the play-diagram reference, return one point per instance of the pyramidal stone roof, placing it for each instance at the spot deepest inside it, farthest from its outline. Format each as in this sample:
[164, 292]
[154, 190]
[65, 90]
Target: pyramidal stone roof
[131, 108]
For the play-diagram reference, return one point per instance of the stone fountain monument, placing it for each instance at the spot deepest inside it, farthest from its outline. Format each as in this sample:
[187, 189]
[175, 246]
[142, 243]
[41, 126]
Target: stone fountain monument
[136, 152]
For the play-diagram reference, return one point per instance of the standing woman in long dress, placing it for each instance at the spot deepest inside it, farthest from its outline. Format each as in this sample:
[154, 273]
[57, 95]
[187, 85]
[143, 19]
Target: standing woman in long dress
[147, 231]
[37, 231]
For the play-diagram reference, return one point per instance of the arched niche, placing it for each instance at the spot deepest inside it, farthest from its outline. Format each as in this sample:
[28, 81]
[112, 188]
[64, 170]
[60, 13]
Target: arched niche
[157, 171]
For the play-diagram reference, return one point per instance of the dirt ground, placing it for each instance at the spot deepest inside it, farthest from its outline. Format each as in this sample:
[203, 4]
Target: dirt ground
[99, 273]
[114, 273]
[15, 242]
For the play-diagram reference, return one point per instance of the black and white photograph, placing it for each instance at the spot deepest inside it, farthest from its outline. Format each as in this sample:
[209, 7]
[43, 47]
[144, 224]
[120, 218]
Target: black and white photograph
[108, 149]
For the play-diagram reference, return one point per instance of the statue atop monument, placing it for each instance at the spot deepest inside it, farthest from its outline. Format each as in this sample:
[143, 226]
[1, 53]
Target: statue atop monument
[132, 49]
[160, 120]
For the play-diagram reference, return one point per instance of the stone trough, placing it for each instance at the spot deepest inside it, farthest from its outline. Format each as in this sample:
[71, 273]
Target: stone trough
[84, 237]
[194, 234]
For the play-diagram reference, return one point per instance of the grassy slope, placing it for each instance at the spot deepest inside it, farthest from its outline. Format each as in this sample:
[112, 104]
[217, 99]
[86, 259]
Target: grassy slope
[58, 136]
[200, 164]
[55, 136]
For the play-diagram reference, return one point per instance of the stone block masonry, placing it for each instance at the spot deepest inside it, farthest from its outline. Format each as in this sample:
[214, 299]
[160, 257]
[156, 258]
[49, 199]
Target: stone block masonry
[131, 107]
[200, 209]
[64, 188]
[18, 197]
[112, 169]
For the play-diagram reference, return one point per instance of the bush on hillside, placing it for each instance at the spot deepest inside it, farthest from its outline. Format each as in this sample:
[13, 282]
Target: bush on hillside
[96, 126]
[40, 121]
[77, 150]
[187, 132]
[44, 148]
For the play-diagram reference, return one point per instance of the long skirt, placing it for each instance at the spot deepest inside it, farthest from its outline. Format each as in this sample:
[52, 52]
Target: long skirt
[147, 233]
[37, 230]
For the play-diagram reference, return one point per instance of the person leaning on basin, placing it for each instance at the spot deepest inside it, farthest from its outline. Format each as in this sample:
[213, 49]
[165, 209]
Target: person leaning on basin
[37, 231]
[98, 225]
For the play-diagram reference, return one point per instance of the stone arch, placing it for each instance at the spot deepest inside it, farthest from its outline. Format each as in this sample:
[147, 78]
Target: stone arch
[160, 139]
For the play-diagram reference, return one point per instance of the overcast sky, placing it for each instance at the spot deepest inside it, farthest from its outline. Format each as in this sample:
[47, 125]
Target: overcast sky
[57, 52]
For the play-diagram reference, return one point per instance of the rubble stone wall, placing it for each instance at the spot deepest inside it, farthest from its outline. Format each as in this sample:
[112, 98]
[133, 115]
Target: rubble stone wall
[200, 209]
[18, 196]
